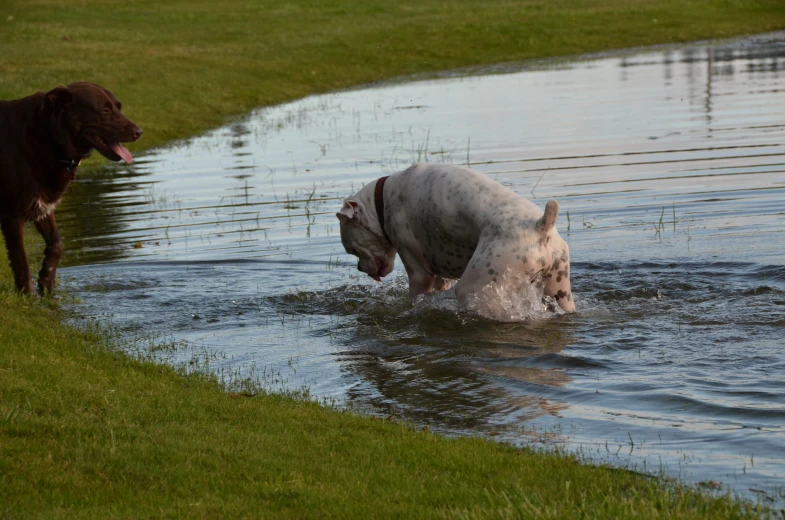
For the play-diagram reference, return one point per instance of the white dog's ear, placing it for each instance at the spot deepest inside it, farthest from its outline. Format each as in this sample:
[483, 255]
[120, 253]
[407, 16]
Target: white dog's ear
[546, 223]
[348, 211]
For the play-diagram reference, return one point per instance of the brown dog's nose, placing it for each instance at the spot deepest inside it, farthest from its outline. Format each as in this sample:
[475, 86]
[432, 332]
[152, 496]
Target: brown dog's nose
[137, 133]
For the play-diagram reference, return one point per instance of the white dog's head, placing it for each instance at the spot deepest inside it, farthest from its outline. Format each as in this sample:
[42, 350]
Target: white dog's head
[362, 236]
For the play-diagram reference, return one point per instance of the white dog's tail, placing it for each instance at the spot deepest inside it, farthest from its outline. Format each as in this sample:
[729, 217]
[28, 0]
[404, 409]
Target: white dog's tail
[548, 219]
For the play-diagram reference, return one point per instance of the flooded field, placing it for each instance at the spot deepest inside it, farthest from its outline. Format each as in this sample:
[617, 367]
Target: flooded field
[669, 166]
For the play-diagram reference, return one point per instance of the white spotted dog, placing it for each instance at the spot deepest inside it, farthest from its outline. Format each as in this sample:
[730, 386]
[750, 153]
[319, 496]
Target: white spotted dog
[448, 222]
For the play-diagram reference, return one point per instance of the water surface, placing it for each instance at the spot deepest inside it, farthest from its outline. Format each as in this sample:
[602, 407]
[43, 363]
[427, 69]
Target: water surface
[668, 165]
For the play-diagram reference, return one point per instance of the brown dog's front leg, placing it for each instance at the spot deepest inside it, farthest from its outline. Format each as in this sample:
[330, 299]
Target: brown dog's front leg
[14, 233]
[54, 250]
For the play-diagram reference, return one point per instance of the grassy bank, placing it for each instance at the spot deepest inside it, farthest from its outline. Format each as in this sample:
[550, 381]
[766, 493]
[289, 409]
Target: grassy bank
[88, 432]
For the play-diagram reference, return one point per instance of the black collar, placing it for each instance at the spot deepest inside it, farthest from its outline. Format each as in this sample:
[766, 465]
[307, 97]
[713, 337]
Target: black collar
[378, 199]
[69, 165]
[64, 165]
[67, 168]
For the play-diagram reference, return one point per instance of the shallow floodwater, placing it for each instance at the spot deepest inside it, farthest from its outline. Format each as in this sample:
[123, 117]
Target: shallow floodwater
[669, 166]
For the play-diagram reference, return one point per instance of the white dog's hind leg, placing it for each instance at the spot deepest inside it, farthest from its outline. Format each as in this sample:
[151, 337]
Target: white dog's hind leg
[558, 286]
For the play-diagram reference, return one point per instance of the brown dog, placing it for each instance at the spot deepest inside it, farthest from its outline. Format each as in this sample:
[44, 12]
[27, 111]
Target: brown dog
[43, 139]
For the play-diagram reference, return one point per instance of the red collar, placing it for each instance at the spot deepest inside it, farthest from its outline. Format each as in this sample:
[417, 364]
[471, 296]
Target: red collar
[378, 199]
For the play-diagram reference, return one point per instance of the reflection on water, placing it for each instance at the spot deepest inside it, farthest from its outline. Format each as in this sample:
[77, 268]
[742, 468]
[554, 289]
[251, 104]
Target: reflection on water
[668, 165]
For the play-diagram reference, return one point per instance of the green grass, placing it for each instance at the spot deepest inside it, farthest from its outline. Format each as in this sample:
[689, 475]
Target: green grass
[86, 431]
[181, 67]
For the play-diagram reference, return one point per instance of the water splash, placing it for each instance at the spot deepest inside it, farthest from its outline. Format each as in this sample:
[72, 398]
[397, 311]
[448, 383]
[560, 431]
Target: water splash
[512, 298]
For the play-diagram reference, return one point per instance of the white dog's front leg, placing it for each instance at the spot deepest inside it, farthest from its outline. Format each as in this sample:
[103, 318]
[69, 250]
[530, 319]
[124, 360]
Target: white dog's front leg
[420, 280]
[420, 283]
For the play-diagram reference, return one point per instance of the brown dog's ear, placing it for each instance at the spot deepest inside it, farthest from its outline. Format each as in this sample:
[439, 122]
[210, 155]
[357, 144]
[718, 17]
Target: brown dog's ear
[58, 96]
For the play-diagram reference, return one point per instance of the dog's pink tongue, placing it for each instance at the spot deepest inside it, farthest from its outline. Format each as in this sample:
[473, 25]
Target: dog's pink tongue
[123, 152]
